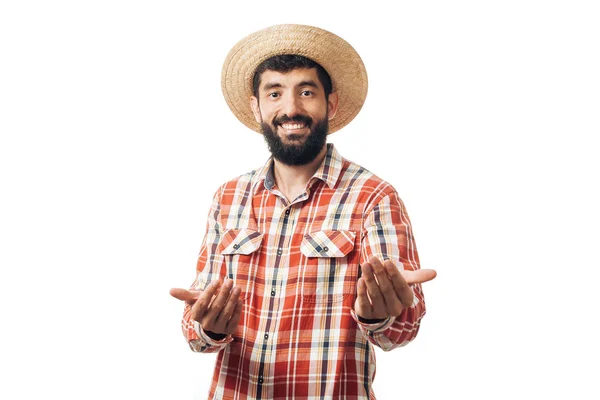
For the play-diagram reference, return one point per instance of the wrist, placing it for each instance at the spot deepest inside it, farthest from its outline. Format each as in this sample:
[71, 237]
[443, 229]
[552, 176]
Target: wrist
[370, 320]
[215, 336]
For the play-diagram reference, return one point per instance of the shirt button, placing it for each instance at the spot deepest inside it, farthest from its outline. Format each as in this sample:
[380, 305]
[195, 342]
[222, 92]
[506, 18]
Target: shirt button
[266, 336]
[236, 246]
[260, 380]
[279, 252]
[273, 292]
[325, 249]
[287, 212]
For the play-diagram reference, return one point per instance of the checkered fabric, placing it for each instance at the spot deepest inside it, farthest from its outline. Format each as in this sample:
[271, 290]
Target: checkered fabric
[297, 264]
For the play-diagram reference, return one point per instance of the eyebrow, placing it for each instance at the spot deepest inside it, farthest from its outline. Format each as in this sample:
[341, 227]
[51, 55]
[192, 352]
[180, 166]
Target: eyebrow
[310, 83]
[272, 85]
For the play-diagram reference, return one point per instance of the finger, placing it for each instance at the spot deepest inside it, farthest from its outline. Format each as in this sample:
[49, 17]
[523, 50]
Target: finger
[215, 308]
[235, 318]
[373, 290]
[393, 305]
[418, 276]
[362, 306]
[377, 268]
[189, 296]
[229, 307]
[403, 290]
[201, 305]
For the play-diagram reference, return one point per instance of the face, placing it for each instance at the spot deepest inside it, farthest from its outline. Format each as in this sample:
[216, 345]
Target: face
[294, 113]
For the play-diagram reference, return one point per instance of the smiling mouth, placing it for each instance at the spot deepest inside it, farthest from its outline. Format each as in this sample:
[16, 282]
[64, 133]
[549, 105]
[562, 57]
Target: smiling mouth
[293, 127]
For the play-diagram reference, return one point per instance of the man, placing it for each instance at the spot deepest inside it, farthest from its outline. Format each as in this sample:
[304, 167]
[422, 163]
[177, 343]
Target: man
[308, 261]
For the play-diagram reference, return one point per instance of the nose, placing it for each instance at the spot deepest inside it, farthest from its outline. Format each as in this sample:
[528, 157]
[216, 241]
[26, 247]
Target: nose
[291, 106]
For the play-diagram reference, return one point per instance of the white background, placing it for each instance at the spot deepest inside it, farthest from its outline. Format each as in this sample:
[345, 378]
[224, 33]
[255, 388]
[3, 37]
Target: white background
[114, 136]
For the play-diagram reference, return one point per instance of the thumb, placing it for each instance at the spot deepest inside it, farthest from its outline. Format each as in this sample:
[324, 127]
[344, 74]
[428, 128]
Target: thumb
[189, 296]
[418, 276]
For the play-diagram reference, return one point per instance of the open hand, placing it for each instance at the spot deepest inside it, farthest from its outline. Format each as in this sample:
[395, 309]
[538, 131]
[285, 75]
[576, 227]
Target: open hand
[384, 291]
[217, 308]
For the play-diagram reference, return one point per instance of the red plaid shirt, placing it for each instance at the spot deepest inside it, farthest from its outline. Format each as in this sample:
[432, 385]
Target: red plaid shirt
[297, 264]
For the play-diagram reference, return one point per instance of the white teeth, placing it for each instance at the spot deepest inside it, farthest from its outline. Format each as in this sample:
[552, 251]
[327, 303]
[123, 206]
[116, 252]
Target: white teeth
[292, 126]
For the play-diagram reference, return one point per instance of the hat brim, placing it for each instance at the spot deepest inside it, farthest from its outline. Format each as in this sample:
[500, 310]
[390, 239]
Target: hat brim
[334, 54]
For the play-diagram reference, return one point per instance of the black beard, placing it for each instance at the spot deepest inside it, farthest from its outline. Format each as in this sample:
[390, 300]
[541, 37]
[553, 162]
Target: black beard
[301, 153]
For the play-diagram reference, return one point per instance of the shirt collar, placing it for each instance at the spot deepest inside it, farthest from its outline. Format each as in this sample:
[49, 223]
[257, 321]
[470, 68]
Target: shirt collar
[329, 171]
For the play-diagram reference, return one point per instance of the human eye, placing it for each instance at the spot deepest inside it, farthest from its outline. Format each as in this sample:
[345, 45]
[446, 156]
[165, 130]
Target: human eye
[273, 95]
[306, 93]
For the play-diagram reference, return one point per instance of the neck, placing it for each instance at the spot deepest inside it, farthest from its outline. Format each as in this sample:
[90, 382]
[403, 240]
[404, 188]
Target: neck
[291, 180]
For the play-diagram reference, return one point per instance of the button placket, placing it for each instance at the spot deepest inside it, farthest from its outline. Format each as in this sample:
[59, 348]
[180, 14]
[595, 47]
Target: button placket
[279, 251]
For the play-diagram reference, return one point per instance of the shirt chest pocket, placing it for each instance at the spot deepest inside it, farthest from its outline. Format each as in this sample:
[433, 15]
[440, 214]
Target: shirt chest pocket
[240, 249]
[329, 267]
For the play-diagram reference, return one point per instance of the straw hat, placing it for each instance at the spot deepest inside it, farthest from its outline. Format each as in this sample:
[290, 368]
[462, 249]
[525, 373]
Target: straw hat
[340, 60]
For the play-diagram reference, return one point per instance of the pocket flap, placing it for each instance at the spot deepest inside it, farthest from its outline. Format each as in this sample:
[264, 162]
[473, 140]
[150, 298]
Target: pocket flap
[328, 243]
[240, 241]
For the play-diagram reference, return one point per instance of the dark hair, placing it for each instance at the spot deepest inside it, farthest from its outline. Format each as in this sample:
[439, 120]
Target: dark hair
[287, 62]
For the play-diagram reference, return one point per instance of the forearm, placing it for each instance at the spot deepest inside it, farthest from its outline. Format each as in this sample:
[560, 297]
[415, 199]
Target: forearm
[209, 267]
[388, 235]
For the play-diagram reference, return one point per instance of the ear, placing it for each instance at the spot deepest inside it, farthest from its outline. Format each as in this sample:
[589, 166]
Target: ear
[255, 109]
[332, 105]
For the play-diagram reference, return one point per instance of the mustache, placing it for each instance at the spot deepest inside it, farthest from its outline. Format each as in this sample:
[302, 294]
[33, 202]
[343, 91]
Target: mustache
[296, 118]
